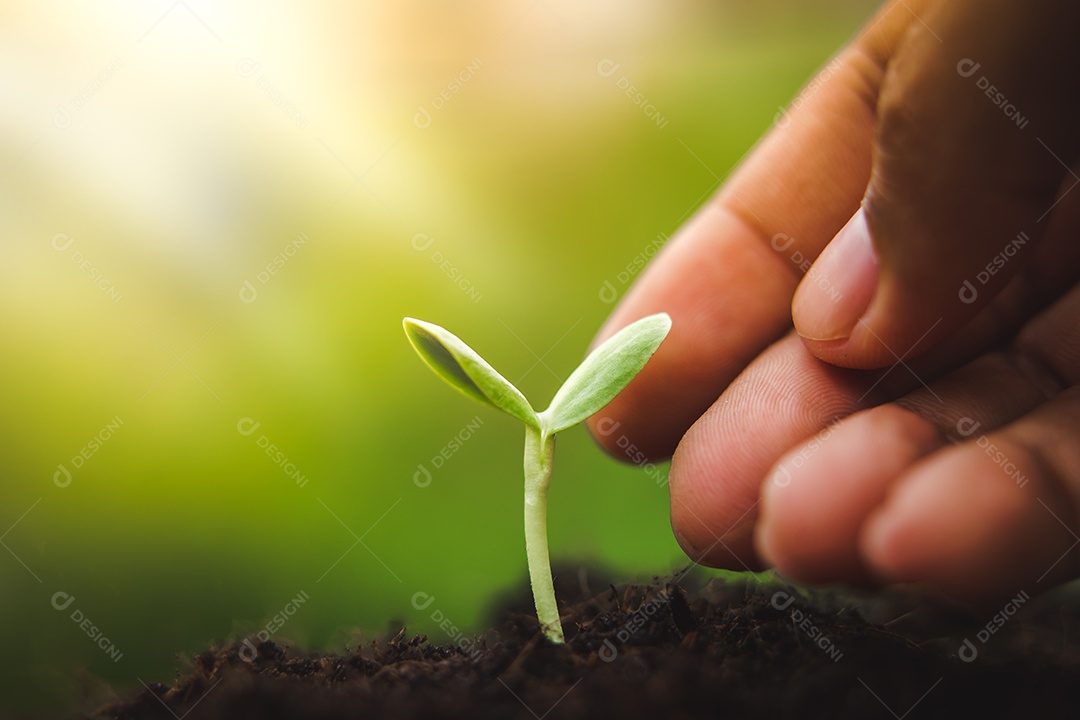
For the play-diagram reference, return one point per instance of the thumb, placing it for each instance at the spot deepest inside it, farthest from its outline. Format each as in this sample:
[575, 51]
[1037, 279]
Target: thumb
[975, 133]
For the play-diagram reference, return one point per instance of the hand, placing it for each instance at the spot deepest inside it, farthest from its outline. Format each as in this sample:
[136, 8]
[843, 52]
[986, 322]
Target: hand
[921, 422]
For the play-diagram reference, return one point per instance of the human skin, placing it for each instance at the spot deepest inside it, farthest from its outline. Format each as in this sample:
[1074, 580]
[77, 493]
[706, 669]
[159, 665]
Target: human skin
[908, 410]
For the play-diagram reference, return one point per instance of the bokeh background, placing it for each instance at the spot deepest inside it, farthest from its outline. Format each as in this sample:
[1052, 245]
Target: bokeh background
[213, 217]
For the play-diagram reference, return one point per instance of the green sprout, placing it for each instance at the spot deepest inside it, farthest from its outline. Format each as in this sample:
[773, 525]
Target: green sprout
[603, 375]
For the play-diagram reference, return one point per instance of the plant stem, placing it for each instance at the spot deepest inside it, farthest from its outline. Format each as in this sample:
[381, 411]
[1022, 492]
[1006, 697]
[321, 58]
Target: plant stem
[539, 456]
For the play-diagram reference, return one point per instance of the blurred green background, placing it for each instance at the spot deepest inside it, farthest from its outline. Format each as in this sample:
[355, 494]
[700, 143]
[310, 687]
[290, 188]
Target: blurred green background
[217, 215]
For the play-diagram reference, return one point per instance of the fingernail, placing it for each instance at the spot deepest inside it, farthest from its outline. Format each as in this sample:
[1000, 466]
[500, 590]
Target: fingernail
[839, 286]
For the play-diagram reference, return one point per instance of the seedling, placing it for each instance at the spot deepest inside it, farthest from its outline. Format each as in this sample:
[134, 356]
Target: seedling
[604, 373]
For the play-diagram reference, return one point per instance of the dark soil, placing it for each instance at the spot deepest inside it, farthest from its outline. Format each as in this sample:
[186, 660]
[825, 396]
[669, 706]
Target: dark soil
[665, 650]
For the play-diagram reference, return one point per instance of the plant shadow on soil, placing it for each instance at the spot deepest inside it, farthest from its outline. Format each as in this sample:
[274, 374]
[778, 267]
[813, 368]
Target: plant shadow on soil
[696, 648]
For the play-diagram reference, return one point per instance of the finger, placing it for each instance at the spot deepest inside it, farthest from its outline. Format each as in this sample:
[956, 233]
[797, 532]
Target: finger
[1054, 268]
[998, 513]
[816, 502]
[975, 137]
[816, 499]
[784, 397]
[787, 396]
[983, 520]
[727, 277]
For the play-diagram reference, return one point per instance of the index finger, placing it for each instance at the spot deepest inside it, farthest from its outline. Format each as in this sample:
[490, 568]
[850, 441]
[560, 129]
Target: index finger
[728, 276]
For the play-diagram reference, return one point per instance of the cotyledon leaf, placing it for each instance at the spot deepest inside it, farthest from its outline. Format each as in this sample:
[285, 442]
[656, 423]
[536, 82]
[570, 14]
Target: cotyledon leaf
[605, 372]
[460, 366]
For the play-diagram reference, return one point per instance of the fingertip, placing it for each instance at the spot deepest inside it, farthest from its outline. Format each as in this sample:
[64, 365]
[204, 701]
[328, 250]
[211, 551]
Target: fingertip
[847, 310]
[718, 280]
[962, 526]
[838, 287]
[602, 428]
[713, 509]
[818, 496]
[784, 536]
[850, 311]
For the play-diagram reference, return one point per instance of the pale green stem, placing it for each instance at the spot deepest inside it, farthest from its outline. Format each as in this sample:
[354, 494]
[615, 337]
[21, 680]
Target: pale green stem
[539, 455]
